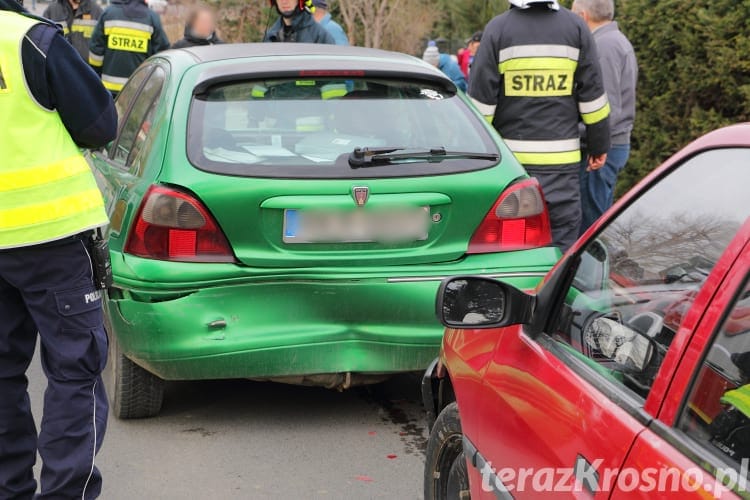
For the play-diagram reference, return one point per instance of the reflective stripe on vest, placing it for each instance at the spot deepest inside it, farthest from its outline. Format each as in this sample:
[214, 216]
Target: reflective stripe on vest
[539, 70]
[558, 152]
[46, 193]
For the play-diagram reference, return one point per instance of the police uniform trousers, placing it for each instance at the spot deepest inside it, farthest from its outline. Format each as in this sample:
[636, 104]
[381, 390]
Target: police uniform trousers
[562, 191]
[49, 290]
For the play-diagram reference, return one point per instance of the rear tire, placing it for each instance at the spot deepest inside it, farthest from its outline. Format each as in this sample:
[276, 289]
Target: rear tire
[446, 476]
[133, 391]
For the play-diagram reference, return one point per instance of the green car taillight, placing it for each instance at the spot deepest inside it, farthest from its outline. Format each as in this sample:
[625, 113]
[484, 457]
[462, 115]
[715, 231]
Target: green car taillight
[174, 226]
[517, 221]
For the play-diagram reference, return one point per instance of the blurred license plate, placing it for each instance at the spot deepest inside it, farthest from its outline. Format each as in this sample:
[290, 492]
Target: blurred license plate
[359, 226]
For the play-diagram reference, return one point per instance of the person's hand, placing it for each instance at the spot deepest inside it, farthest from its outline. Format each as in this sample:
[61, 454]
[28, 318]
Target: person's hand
[597, 161]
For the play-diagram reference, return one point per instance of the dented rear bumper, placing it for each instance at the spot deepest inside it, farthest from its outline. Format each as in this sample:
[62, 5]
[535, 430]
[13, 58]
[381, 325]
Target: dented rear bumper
[283, 327]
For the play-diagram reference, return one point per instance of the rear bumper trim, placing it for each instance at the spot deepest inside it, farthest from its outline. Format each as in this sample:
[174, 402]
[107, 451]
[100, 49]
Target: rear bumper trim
[417, 279]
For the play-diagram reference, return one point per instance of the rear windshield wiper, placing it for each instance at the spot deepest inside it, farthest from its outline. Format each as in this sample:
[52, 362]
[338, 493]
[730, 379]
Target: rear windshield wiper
[373, 157]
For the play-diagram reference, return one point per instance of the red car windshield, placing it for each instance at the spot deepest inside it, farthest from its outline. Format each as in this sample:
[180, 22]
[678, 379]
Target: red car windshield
[640, 277]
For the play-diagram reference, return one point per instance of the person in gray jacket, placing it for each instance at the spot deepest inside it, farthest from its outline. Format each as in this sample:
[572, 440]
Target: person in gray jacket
[620, 74]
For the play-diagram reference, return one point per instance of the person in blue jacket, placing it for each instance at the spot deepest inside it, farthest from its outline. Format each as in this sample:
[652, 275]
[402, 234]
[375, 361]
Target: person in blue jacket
[444, 63]
[323, 17]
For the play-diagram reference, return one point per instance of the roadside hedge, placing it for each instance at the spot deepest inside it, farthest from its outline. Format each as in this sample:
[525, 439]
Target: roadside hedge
[694, 60]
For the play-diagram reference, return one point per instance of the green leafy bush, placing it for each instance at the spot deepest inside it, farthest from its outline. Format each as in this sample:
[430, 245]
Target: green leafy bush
[694, 60]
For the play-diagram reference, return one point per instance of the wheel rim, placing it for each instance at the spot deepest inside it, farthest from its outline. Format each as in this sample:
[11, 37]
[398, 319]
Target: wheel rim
[447, 487]
[458, 482]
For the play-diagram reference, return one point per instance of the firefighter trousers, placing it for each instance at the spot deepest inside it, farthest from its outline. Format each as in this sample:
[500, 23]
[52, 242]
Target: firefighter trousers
[562, 191]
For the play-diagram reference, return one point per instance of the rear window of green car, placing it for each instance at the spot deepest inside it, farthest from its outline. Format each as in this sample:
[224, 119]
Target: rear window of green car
[297, 128]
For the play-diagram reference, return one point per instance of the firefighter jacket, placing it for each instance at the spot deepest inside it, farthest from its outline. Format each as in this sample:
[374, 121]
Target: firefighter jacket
[127, 34]
[78, 24]
[535, 76]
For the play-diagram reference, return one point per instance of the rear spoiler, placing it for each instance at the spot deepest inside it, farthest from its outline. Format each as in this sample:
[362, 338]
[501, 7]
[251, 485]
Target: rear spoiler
[335, 69]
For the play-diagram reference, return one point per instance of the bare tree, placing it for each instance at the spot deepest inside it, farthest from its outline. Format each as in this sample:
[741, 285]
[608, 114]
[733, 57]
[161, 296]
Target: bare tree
[407, 31]
[390, 24]
[656, 242]
[242, 21]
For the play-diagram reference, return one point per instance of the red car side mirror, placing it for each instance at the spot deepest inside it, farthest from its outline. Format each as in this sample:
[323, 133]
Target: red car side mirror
[473, 302]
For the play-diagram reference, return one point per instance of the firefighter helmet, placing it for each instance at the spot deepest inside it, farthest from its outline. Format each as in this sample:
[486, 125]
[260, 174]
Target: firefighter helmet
[525, 4]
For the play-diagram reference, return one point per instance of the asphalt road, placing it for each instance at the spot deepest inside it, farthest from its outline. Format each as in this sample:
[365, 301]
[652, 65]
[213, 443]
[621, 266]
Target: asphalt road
[242, 439]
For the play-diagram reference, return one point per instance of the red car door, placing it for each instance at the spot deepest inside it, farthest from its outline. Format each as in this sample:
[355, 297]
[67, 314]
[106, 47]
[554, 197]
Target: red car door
[470, 352]
[560, 412]
[546, 426]
[699, 446]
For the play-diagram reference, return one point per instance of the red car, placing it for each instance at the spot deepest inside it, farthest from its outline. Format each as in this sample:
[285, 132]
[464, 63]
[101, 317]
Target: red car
[627, 372]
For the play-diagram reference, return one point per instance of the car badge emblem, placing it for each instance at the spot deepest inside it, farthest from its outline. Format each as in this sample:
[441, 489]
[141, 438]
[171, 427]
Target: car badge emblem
[361, 194]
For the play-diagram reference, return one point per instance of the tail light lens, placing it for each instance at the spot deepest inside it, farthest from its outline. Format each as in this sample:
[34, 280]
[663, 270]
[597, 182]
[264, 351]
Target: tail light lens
[173, 225]
[517, 221]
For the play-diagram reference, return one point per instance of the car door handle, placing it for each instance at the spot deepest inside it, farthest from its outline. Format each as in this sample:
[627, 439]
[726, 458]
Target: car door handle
[586, 474]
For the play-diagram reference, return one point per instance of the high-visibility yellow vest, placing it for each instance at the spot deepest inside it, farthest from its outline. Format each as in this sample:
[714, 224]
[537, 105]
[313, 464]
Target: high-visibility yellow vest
[47, 190]
[739, 398]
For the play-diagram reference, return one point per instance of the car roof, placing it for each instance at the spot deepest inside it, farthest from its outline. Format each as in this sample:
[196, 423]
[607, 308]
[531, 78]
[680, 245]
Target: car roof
[223, 63]
[731, 136]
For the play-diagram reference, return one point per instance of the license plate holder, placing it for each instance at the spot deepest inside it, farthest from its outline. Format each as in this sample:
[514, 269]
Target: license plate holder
[358, 226]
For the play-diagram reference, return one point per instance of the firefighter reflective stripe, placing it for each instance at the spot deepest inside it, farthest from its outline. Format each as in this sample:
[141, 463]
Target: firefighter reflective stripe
[544, 146]
[594, 111]
[258, 92]
[488, 110]
[539, 77]
[128, 40]
[559, 152]
[537, 63]
[538, 70]
[539, 83]
[739, 398]
[95, 60]
[333, 90]
[526, 51]
[128, 25]
[83, 26]
[567, 158]
[114, 83]
[128, 36]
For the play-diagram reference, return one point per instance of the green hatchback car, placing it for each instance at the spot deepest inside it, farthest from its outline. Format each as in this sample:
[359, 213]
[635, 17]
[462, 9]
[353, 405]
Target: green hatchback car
[286, 212]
